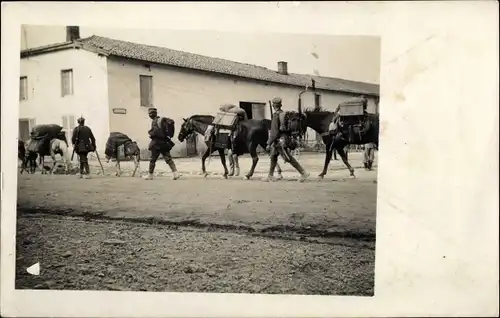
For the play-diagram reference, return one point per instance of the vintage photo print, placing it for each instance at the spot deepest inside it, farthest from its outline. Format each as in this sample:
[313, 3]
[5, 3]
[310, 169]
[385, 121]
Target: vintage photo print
[175, 161]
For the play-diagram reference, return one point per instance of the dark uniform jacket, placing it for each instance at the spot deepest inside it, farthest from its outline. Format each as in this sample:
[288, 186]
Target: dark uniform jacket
[158, 135]
[277, 126]
[83, 139]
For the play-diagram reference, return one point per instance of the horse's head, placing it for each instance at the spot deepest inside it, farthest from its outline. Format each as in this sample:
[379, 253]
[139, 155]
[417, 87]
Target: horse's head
[297, 123]
[318, 119]
[187, 128]
[194, 124]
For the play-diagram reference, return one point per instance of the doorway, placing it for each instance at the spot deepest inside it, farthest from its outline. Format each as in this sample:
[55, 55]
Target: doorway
[254, 110]
[24, 129]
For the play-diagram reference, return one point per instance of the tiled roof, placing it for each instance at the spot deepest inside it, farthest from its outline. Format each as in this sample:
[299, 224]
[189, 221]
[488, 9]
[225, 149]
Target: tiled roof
[162, 55]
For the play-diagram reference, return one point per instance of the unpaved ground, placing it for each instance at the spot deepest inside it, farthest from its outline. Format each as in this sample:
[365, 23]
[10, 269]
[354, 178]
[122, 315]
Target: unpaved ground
[197, 234]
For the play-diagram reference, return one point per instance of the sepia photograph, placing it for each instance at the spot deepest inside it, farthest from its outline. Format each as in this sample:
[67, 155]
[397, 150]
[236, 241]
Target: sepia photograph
[197, 161]
[223, 159]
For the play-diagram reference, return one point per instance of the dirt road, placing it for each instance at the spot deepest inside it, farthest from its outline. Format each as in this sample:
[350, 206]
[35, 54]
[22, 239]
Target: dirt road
[197, 234]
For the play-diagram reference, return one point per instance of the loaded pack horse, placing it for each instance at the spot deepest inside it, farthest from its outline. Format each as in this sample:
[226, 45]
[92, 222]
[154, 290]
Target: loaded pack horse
[252, 133]
[319, 120]
[117, 141]
[56, 146]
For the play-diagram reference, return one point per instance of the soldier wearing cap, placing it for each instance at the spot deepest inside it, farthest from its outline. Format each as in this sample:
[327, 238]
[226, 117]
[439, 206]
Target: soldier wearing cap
[278, 142]
[160, 144]
[83, 142]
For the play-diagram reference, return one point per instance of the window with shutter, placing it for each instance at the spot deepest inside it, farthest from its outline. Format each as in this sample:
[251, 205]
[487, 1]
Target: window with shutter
[32, 123]
[65, 122]
[23, 88]
[66, 82]
[146, 90]
[24, 130]
[259, 111]
[72, 125]
[317, 101]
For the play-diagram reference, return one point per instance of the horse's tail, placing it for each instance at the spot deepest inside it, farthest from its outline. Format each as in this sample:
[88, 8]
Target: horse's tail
[65, 139]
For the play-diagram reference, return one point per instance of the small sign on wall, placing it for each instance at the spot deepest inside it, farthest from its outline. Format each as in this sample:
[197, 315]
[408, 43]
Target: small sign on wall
[121, 111]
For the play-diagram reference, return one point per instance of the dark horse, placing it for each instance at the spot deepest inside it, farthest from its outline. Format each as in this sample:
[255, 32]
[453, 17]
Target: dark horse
[252, 134]
[319, 120]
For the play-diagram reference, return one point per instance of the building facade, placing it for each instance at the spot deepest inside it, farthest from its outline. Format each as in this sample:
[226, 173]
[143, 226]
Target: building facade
[112, 84]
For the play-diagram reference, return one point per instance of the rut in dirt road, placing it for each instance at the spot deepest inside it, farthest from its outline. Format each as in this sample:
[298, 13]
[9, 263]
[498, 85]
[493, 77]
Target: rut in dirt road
[278, 231]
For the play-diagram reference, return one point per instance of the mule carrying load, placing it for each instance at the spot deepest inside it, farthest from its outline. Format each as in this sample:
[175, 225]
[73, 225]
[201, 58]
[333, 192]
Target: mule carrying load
[41, 135]
[119, 146]
[225, 124]
[353, 116]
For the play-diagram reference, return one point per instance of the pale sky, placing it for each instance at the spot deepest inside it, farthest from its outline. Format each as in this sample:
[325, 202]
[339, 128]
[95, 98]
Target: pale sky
[354, 58]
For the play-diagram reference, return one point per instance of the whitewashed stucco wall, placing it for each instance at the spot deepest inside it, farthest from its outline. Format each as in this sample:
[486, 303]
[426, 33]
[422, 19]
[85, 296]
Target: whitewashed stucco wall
[90, 99]
[179, 93]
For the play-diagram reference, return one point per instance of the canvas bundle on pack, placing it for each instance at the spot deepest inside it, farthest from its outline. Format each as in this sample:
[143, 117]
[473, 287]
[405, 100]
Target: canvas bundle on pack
[227, 117]
[224, 123]
[41, 135]
[353, 107]
[115, 145]
[352, 114]
[50, 131]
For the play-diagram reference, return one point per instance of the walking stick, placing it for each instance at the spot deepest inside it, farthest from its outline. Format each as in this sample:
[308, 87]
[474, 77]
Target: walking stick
[99, 159]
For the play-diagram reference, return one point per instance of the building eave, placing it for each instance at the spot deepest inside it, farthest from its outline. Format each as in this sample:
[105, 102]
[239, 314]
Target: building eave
[302, 85]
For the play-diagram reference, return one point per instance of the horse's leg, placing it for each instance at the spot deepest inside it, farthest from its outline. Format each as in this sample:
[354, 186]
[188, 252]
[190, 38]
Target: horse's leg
[136, 164]
[54, 162]
[328, 158]
[118, 172]
[203, 158]
[343, 156]
[231, 162]
[255, 159]
[67, 161]
[41, 162]
[236, 165]
[223, 160]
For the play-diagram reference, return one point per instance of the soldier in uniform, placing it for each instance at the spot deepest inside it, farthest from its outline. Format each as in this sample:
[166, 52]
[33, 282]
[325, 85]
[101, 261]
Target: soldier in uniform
[83, 142]
[369, 155]
[278, 142]
[160, 144]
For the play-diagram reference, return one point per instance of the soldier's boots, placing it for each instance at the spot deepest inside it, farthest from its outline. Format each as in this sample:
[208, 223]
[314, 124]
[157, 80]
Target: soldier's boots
[269, 178]
[176, 174]
[149, 176]
[304, 176]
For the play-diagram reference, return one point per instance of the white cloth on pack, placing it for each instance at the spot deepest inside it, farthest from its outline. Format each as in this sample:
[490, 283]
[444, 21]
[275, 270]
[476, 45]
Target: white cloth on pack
[332, 126]
[208, 132]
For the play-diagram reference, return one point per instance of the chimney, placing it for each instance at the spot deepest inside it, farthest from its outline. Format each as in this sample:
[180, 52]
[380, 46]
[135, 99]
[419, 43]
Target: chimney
[72, 33]
[282, 68]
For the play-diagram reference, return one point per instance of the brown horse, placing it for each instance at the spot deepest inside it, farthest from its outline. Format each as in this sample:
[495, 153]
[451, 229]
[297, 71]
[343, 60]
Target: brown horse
[253, 133]
[319, 120]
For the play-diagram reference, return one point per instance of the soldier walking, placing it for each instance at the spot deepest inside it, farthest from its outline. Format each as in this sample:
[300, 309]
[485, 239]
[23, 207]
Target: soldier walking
[278, 142]
[369, 155]
[160, 144]
[83, 142]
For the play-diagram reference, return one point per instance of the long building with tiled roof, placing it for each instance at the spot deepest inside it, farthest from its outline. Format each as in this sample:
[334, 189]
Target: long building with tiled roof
[112, 83]
[162, 55]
